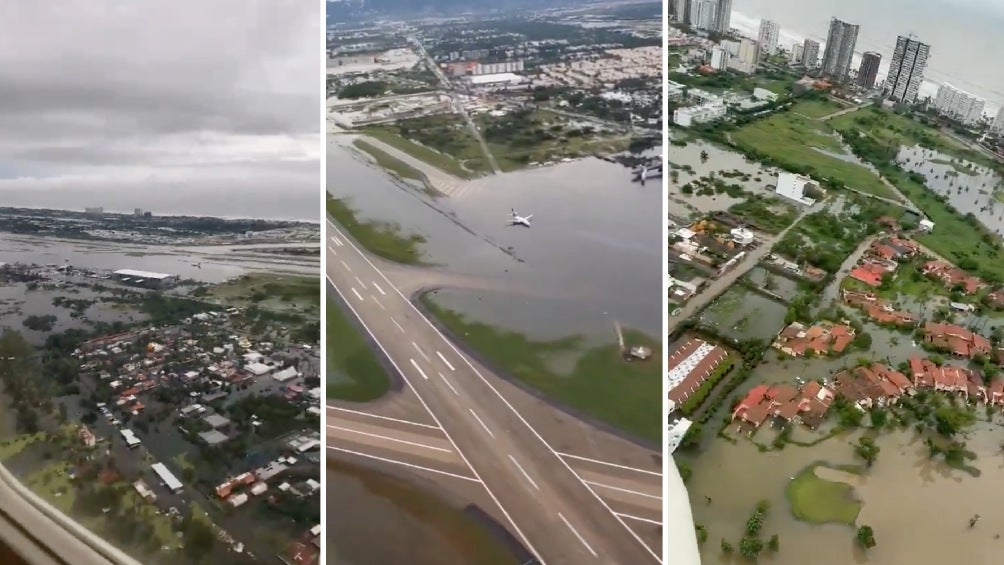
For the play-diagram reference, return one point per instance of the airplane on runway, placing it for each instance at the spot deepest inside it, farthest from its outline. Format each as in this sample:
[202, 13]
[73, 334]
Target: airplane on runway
[518, 220]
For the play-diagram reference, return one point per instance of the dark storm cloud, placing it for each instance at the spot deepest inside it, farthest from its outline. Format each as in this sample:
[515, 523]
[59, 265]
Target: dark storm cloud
[108, 89]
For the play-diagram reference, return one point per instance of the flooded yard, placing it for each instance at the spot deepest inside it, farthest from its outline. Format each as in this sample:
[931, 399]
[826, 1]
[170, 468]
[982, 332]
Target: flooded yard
[970, 188]
[686, 165]
[782, 286]
[743, 314]
[919, 508]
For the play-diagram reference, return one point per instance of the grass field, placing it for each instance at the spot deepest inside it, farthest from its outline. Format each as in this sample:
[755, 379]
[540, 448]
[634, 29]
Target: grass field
[891, 128]
[625, 395]
[817, 108]
[793, 140]
[276, 292]
[441, 141]
[516, 140]
[14, 445]
[819, 501]
[953, 236]
[349, 357]
[390, 162]
[381, 238]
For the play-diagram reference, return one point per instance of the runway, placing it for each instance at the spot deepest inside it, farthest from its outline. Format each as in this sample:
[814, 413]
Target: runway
[456, 422]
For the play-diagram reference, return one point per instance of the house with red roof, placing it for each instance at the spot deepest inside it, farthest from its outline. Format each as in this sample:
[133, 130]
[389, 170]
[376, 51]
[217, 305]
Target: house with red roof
[878, 309]
[947, 378]
[821, 339]
[786, 403]
[956, 340]
[952, 276]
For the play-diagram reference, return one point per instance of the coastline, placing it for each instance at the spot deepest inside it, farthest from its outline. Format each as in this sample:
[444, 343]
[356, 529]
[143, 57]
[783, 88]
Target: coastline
[749, 26]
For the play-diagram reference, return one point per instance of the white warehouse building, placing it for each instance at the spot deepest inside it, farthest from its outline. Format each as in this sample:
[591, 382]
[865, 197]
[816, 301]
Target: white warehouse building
[691, 115]
[792, 187]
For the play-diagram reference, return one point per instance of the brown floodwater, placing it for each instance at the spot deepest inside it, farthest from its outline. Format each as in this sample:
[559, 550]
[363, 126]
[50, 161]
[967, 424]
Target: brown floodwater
[379, 519]
[919, 508]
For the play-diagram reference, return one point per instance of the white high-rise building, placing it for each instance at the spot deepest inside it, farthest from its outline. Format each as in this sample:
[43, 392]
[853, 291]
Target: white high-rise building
[840, 44]
[709, 15]
[906, 72]
[795, 56]
[998, 126]
[810, 54]
[719, 58]
[770, 32]
[748, 57]
[959, 105]
[703, 14]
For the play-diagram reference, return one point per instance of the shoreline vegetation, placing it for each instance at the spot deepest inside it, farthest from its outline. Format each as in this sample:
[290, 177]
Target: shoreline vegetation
[359, 376]
[384, 239]
[624, 395]
[395, 166]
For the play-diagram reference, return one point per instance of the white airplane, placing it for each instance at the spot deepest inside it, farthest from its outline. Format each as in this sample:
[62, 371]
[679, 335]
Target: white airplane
[517, 220]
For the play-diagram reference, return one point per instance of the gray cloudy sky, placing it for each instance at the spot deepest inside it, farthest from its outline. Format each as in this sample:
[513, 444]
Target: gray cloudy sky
[156, 104]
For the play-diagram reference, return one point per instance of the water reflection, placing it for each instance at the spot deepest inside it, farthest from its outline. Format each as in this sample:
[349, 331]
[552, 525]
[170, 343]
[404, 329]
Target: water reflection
[595, 235]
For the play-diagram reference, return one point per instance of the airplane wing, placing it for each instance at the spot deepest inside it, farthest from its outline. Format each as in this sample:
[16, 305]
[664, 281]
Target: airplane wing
[528, 217]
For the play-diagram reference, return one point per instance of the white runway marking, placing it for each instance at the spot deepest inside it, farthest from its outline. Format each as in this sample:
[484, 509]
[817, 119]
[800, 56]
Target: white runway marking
[445, 361]
[374, 298]
[397, 324]
[639, 518]
[411, 465]
[356, 292]
[388, 438]
[346, 265]
[432, 414]
[610, 464]
[419, 369]
[361, 283]
[448, 384]
[629, 491]
[332, 250]
[476, 417]
[581, 539]
[420, 352]
[380, 290]
[521, 470]
[337, 241]
[340, 409]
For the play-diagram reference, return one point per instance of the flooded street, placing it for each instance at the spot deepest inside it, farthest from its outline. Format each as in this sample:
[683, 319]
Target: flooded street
[970, 188]
[595, 240]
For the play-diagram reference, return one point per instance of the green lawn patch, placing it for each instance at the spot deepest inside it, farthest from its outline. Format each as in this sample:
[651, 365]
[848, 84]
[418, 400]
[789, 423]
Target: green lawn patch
[353, 371]
[601, 384]
[520, 138]
[390, 162]
[794, 142]
[817, 108]
[272, 291]
[820, 501]
[765, 213]
[890, 128]
[445, 142]
[382, 238]
[14, 445]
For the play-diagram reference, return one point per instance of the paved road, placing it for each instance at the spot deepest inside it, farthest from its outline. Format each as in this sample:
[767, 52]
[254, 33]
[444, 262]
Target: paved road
[458, 105]
[42, 540]
[722, 283]
[552, 507]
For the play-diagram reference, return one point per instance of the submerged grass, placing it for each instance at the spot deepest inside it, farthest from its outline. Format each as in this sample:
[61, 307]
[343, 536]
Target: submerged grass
[625, 395]
[381, 238]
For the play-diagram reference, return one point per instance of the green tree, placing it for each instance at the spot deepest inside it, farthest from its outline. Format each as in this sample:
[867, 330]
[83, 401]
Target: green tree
[879, 417]
[951, 420]
[750, 547]
[727, 548]
[867, 450]
[702, 533]
[773, 544]
[866, 537]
